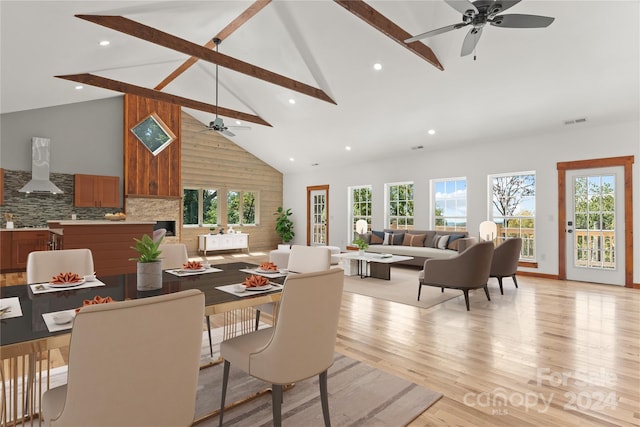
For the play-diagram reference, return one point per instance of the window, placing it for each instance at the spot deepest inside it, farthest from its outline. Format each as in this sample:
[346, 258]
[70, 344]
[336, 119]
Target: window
[199, 207]
[359, 207]
[449, 204]
[399, 206]
[241, 207]
[513, 199]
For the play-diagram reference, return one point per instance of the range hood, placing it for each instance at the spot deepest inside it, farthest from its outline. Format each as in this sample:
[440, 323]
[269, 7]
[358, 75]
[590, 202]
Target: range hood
[40, 169]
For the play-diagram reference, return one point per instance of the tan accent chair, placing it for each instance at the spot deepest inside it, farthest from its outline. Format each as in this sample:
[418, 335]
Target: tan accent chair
[302, 259]
[466, 271]
[43, 265]
[299, 346]
[174, 255]
[505, 261]
[132, 363]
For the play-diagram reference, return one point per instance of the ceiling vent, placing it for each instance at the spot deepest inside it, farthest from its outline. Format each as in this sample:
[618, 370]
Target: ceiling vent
[573, 122]
[417, 147]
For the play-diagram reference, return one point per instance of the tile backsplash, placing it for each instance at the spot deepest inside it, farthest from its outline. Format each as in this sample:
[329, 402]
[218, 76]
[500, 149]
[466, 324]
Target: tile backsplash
[34, 210]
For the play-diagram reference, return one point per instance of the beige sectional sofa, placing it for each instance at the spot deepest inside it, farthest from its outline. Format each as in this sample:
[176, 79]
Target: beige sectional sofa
[419, 244]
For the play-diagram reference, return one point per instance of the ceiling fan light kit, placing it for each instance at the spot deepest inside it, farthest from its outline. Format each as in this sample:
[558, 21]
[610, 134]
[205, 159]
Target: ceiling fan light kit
[482, 12]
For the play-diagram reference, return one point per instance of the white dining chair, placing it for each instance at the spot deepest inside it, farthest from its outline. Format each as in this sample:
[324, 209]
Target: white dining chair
[302, 259]
[131, 363]
[43, 265]
[299, 346]
[174, 255]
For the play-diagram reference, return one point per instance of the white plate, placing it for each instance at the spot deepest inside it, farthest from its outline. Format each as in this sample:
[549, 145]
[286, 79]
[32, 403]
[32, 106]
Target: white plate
[258, 270]
[193, 270]
[66, 285]
[62, 318]
[260, 288]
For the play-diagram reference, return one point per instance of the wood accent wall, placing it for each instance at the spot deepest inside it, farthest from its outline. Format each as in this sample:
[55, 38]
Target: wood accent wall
[209, 160]
[144, 173]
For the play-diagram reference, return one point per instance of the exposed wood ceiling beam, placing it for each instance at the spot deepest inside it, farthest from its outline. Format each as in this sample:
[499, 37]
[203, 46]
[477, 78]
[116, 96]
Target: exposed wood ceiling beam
[249, 13]
[123, 87]
[390, 29]
[161, 38]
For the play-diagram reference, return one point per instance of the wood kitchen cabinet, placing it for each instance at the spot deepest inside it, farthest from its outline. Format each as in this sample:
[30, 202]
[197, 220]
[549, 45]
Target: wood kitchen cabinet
[16, 246]
[96, 191]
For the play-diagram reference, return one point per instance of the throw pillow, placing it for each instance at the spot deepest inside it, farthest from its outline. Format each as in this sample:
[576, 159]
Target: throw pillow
[377, 237]
[452, 239]
[416, 239]
[434, 242]
[397, 238]
[387, 239]
[406, 241]
[442, 242]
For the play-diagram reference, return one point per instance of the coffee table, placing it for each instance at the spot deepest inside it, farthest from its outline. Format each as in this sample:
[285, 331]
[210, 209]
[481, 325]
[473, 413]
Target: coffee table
[372, 265]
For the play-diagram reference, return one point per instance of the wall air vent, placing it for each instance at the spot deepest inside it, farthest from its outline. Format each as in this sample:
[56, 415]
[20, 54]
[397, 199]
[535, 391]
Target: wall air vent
[417, 147]
[575, 121]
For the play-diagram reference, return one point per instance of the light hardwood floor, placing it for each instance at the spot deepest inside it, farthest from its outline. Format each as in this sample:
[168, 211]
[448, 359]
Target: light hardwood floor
[551, 353]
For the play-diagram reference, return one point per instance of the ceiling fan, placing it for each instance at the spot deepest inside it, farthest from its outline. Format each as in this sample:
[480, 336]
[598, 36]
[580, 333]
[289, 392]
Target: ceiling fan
[478, 14]
[218, 124]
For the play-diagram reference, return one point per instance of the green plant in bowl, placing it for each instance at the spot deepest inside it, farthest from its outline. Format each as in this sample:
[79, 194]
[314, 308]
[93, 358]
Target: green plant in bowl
[361, 244]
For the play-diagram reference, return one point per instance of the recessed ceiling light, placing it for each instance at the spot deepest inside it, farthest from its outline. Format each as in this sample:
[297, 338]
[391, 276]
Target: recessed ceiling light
[79, 87]
[347, 148]
[238, 122]
[292, 101]
[291, 159]
[431, 132]
[105, 43]
[377, 66]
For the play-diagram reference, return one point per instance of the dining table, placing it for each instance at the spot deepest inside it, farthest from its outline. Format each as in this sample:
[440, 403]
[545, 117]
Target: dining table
[26, 340]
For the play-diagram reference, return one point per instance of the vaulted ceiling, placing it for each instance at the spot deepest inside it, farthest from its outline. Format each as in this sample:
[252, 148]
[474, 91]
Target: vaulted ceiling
[522, 81]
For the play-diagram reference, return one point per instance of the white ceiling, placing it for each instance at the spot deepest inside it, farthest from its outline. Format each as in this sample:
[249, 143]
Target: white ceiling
[524, 81]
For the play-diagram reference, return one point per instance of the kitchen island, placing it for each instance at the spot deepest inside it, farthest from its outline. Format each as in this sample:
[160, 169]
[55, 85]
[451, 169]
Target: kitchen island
[109, 241]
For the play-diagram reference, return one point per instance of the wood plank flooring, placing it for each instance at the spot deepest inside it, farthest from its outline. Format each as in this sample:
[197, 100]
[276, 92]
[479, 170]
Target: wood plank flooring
[551, 353]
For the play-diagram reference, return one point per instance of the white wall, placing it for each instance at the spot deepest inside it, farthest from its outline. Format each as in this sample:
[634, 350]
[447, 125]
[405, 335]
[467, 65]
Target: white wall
[538, 153]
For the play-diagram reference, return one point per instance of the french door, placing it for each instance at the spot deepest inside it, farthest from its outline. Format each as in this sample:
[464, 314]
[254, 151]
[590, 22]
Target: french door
[317, 218]
[594, 225]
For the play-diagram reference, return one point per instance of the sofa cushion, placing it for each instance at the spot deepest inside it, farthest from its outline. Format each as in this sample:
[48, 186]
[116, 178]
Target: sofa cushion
[377, 237]
[413, 251]
[442, 242]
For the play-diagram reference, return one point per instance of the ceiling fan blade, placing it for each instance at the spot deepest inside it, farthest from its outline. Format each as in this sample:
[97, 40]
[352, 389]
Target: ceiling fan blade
[239, 127]
[501, 6]
[461, 5]
[435, 32]
[521, 21]
[227, 132]
[470, 41]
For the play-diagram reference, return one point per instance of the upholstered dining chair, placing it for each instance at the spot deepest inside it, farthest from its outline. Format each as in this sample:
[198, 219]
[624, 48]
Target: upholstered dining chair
[43, 265]
[505, 261]
[466, 271]
[302, 259]
[131, 363]
[299, 346]
[174, 255]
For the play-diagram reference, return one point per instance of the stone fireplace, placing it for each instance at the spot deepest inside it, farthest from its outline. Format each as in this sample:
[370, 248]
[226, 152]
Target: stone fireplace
[160, 209]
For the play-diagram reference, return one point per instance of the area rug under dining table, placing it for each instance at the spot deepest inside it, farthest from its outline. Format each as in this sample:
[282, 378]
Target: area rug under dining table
[358, 395]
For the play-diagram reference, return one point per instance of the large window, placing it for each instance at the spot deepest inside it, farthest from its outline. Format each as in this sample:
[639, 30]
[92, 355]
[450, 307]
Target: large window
[449, 204]
[241, 207]
[513, 199]
[200, 207]
[359, 207]
[399, 205]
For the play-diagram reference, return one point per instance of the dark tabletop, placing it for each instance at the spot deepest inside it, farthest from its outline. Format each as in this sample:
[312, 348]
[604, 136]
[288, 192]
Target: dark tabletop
[31, 326]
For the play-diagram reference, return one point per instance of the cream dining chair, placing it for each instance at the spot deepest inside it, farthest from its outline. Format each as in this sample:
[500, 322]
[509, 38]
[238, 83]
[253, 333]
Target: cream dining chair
[302, 259]
[43, 265]
[299, 346]
[131, 363]
[174, 255]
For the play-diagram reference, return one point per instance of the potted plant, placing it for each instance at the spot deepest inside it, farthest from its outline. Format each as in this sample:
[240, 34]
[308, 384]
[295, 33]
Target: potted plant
[284, 226]
[149, 266]
[361, 244]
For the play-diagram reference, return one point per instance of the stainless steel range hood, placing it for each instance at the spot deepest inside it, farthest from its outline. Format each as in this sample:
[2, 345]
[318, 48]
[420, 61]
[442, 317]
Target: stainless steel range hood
[40, 169]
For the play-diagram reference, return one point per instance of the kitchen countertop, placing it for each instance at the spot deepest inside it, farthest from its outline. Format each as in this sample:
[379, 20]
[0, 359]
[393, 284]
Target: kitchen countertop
[98, 222]
[26, 229]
